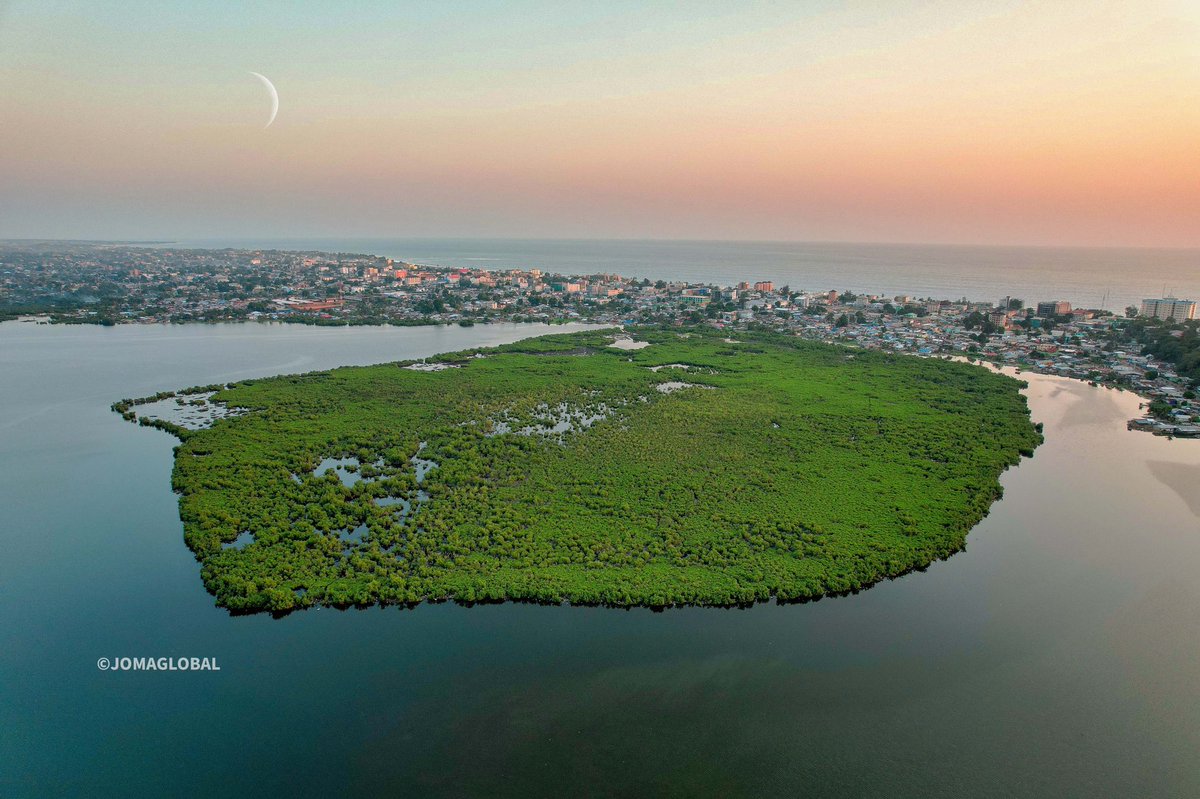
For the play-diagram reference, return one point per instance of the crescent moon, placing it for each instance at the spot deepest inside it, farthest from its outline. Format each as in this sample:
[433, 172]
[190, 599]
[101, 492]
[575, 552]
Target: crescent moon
[274, 97]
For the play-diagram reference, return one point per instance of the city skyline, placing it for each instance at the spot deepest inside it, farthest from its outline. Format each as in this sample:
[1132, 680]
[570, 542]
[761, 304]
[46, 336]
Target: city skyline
[1054, 124]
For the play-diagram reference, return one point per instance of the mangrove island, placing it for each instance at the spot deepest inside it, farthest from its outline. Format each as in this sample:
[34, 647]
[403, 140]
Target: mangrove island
[655, 467]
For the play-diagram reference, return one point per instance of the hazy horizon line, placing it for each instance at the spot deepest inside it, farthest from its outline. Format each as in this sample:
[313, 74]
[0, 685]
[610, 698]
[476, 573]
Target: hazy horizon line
[612, 239]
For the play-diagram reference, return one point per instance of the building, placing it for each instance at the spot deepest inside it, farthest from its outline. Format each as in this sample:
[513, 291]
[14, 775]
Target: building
[764, 285]
[1053, 308]
[308, 305]
[1001, 318]
[1169, 308]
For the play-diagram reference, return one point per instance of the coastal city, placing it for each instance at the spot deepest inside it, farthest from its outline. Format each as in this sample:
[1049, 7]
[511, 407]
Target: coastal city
[1151, 349]
[490, 400]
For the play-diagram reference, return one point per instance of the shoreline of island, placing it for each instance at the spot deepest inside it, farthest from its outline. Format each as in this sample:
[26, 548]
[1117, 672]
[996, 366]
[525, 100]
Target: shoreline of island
[402, 519]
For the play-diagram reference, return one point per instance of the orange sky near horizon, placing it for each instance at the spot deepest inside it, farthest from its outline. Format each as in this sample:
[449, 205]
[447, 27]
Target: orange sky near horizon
[1021, 122]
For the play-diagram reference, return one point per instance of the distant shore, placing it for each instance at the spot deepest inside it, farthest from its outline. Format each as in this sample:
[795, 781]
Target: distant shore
[117, 284]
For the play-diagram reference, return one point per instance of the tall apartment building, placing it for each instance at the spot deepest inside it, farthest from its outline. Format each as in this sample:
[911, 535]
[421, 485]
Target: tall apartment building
[1169, 308]
[1055, 308]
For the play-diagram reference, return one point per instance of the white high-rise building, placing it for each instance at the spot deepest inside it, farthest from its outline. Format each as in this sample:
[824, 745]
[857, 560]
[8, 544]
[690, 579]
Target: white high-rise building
[1169, 308]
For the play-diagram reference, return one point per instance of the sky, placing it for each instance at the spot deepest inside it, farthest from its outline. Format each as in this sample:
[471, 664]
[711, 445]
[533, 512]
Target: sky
[1003, 122]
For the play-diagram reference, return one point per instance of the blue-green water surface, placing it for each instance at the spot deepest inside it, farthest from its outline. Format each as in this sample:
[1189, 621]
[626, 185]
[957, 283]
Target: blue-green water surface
[1058, 656]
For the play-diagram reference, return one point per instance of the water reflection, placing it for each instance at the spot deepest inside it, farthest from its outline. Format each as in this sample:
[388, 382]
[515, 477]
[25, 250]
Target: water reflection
[1057, 655]
[1182, 478]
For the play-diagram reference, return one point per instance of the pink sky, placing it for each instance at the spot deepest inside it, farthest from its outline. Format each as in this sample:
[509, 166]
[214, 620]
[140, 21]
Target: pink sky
[1037, 122]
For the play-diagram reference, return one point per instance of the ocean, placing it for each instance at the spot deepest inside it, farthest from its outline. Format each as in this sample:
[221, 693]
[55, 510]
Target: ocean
[1087, 277]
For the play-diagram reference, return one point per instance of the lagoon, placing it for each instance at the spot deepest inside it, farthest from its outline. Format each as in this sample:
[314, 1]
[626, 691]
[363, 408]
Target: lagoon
[1055, 656]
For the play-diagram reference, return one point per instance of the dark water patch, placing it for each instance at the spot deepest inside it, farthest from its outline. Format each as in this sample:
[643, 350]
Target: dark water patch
[346, 469]
[355, 536]
[423, 466]
[243, 540]
[1182, 478]
[191, 412]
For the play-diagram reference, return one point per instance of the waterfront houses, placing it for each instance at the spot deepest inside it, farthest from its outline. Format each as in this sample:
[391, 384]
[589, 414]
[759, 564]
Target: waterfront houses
[68, 282]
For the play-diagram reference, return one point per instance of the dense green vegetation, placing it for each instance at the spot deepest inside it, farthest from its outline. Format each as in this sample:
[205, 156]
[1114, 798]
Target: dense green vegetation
[803, 469]
[1175, 343]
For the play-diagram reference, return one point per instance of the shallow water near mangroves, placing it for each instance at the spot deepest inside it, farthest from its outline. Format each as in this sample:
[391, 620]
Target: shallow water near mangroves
[1057, 655]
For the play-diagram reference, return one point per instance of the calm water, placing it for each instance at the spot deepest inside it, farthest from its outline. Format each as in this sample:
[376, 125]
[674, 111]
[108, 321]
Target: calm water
[1083, 276]
[1058, 656]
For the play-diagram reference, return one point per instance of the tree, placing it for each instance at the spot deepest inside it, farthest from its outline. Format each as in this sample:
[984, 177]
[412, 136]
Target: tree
[1160, 409]
[842, 321]
[1131, 311]
[973, 320]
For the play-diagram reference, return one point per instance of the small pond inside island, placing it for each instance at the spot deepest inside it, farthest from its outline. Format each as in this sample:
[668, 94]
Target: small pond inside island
[1055, 656]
